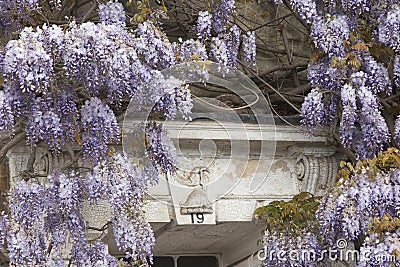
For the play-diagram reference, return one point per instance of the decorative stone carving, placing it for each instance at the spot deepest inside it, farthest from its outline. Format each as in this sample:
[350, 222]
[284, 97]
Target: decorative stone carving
[316, 168]
[195, 177]
[42, 165]
[197, 200]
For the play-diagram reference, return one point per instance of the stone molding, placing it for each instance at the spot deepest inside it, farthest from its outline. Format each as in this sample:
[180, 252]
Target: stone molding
[315, 167]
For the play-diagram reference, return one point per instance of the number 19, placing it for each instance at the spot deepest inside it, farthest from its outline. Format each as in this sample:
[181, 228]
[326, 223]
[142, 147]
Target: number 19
[199, 216]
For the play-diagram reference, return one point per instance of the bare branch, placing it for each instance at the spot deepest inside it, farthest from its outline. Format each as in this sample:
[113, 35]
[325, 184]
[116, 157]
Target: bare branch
[279, 20]
[18, 138]
[289, 6]
[270, 86]
[102, 229]
[283, 67]
[281, 51]
[89, 12]
[294, 91]
[289, 54]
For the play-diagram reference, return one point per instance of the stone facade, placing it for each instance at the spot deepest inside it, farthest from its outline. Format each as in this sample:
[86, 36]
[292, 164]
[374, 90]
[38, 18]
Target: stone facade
[207, 207]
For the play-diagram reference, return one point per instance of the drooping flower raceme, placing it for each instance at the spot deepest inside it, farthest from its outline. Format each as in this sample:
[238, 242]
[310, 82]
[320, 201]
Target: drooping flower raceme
[397, 130]
[100, 126]
[313, 109]
[85, 48]
[26, 242]
[232, 43]
[112, 13]
[161, 149]
[373, 126]
[219, 51]
[278, 245]
[26, 64]
[67, 111]
[329, 32]
[249, 48]
[221, 14]
[326, 80]
[306, 8]
[6, 114]
[44, 125]
[389, 29]
[154, 46]
[172, 97]
[346, 212]
[396, 70]
[356, 6]
[349, 115]
[203, 27]
[134, 233]
[190, 50]
[124, 183]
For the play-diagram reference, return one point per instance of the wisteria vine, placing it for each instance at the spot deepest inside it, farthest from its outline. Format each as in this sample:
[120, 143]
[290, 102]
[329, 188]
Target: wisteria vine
[65, 88]
[347, 74]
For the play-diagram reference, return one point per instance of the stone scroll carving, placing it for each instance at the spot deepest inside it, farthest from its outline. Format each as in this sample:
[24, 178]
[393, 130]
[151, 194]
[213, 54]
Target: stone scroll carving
[315, 168]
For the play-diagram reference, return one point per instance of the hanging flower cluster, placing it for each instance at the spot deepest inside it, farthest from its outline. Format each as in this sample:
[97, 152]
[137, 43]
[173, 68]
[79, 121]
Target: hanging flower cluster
[304, 250]
[100, 128]
[365, 195]
[225, 37]
[204, 25]
[362, 207]
[64, 87]
[112, 13]
[124, 184]
[43, 213]
[347, 73]
[26, 63]
[249, 48]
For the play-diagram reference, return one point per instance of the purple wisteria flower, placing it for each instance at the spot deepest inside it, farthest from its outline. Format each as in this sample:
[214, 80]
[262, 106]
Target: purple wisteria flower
[101, 128]
[161, 149]
[154, 46]
[232, 40]
[112, 13]
[203, 27]
[249, 48]
[328, 34]
[190, 50]
[373, 126]
[396, 70]
[219, 51]
[306, 8]
[389, 29]
[221, 14]
[26, 63]
[313, 110]
[346, 212]
[349, 115]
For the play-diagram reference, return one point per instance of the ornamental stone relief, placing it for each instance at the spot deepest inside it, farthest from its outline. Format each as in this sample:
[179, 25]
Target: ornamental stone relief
[197, 200]
[315, 167]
